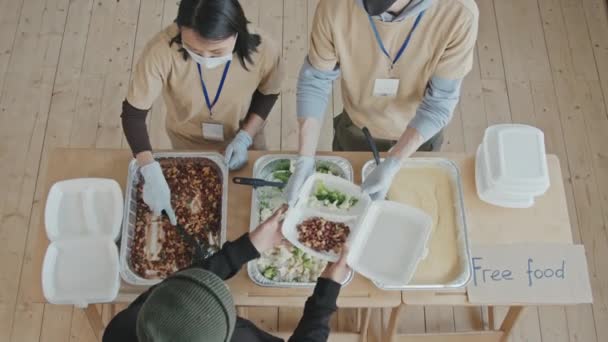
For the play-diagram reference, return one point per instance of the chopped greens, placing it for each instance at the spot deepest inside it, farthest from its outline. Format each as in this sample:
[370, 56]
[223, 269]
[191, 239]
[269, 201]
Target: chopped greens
[282, 175]
[332, 198]
[324, 168]
[270, 272]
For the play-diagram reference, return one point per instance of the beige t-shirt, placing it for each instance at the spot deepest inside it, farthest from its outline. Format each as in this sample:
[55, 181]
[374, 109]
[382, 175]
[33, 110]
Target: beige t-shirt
[442, 45]
[162, 68]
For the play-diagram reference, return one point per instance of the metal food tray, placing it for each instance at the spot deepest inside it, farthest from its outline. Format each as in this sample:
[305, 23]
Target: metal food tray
[462, 239]
[263, 169]
[130, 211]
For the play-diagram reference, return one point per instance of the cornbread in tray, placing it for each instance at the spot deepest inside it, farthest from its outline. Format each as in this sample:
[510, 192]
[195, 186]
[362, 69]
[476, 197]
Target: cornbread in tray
[196, 196]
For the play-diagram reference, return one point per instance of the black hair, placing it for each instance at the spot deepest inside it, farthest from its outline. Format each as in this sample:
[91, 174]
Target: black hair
[217, 19]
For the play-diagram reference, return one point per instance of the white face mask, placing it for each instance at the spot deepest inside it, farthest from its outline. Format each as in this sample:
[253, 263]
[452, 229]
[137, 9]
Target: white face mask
[209, 62]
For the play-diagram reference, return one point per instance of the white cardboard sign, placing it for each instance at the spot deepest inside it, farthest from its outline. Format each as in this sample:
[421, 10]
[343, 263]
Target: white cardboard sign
[529, 274]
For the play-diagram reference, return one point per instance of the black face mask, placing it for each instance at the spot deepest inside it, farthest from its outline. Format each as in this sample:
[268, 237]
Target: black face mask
[376, 7]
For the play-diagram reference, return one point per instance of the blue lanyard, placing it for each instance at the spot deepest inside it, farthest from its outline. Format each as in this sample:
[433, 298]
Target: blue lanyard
[405, 43]
[219, 89]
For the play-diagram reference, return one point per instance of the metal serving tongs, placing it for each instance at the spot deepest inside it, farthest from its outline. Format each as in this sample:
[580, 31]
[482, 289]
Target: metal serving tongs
[200, 252]
[257, 182]
[372, 144]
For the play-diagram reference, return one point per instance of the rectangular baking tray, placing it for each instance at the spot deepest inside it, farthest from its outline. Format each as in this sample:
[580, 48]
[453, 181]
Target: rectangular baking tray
[263, 168]
[130, 211]
[462, 238]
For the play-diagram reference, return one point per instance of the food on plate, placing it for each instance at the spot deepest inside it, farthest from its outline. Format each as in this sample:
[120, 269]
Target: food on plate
[286, 263]
[157, 249]
[323, 235]
[334, 199]
[432, 190]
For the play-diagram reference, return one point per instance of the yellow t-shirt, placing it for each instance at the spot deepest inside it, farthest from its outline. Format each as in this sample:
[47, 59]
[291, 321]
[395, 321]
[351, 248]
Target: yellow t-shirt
[442, 45]
[162, 68]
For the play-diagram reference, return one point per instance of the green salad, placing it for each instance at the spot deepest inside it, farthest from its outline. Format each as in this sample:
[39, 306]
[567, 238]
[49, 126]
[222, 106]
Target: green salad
[331, 198]
[287, 263]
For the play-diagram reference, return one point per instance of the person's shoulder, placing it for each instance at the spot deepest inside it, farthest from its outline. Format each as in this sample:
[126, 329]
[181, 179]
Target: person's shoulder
[335, 7]
[269, 45]
[161, 42]
[464, 8]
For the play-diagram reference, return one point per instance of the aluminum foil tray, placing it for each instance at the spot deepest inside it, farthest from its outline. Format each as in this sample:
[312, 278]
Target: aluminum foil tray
[263, 169]
[462, 238]
[130, 211]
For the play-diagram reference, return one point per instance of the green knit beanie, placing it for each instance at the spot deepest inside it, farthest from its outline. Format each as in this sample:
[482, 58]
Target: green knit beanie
[191, 305]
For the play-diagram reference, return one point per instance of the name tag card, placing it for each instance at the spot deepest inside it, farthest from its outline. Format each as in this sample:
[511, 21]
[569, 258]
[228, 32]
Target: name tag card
[386, 87]
[529, 274]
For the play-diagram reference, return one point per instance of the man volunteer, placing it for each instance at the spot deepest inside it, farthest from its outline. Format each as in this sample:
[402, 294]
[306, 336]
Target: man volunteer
[402, 63]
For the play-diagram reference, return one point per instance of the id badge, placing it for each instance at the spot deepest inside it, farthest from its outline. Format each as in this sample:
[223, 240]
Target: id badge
[386, 86]
[213, 131]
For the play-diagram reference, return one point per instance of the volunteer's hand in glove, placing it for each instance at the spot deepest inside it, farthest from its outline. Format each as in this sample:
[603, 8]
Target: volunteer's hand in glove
[305, 167]
[380, 179]
[156, 190]
[236, 152]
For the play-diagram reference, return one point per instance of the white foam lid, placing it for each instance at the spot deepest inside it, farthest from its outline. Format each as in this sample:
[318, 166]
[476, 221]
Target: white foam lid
[516, 157]
[80, 271]
[84, 207]
[391, 242]
[494, 195]
[82, 219]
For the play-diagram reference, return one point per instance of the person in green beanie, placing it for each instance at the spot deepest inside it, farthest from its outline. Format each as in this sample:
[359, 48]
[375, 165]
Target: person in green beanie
[195, 304]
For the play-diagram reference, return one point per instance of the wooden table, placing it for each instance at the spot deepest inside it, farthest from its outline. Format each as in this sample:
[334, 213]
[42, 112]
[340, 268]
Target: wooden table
[547, 221]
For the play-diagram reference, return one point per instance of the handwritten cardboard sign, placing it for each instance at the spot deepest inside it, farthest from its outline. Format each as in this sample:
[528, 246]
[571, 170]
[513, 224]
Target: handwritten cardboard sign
[529, 274]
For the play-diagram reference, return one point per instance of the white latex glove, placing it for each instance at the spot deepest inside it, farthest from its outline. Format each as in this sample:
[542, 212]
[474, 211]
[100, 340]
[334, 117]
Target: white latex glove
[236, 152]
[304, 168]
[378, 182]
[156, 191]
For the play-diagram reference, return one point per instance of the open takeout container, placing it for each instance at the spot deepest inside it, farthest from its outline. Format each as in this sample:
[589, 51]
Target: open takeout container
[387, 239]
[82, 221]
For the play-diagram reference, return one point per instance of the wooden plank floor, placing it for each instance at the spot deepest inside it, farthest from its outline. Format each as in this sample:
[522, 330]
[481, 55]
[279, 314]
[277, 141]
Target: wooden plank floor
[65, 67]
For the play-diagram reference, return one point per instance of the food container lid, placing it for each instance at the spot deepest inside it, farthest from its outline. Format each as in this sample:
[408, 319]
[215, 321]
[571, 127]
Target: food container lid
[516, 155]
[494, 195]
[391, 241]
[80, 271]
[84, 207]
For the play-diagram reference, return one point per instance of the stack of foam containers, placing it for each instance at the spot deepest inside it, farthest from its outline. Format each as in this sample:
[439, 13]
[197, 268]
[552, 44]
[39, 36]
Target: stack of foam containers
[511, 166]
[82, 220]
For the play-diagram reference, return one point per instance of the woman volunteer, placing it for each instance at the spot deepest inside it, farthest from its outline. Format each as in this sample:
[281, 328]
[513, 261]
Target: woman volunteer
[210, 98]
[402, 63]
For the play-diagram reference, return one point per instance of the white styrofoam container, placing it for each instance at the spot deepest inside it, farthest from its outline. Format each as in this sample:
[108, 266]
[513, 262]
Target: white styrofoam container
[335, 183]
[390, 243]
[297, 215]
[80, 271]
[84, 207]
[516, 158]
[82, 220]
[379, 231]
[493, 196]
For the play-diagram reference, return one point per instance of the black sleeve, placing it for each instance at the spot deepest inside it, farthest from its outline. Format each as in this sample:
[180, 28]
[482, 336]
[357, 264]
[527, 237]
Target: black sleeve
[122, 327]
[134, 126]
[229, 260]
[262, 104]
[314, 325]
